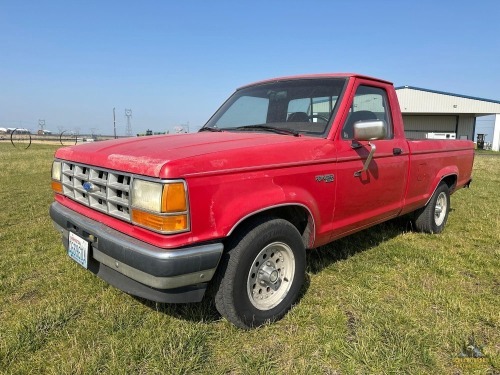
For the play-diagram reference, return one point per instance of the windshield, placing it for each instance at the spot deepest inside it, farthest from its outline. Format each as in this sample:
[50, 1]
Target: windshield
[304, 106]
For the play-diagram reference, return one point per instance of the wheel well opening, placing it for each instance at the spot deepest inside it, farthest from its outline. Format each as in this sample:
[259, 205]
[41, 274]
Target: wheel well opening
[298, 216]
[451, 181]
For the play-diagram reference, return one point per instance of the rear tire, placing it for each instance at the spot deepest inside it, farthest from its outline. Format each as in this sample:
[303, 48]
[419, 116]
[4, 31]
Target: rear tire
[433, 217]
[263, 272]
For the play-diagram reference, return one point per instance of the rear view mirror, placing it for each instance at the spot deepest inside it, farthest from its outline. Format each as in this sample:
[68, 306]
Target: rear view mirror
[369, 130]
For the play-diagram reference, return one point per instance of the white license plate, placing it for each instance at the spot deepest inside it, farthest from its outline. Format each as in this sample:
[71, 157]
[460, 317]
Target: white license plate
[78, 249]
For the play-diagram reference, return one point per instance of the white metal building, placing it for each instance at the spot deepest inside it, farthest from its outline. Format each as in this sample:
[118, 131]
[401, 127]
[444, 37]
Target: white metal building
[429, 111]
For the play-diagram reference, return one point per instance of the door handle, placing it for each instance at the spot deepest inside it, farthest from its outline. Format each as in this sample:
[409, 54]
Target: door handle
[397, 151]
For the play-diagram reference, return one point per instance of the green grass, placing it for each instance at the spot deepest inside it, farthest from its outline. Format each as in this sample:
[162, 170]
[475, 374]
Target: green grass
[487, 152]
[386, 300]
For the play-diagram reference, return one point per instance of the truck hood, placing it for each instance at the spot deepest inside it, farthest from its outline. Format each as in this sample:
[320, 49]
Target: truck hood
[175, 156]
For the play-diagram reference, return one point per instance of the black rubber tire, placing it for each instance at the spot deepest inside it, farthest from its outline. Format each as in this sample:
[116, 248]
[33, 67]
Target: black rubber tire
[231, 298]
[425, 219]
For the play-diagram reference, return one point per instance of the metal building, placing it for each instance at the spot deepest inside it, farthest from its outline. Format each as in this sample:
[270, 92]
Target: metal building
[429, 111]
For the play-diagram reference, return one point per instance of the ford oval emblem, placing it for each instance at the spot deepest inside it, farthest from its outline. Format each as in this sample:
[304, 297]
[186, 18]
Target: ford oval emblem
[88, 186]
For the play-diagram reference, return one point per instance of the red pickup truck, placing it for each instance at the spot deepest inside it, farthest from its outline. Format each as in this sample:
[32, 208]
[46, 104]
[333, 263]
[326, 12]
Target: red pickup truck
[284, 165]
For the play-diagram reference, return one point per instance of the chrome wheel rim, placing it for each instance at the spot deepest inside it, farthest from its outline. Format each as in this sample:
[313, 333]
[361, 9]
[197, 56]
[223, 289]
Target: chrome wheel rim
[271, 275]
[440, 209]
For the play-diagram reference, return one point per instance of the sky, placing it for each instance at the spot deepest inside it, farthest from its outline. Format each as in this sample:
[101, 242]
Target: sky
[174, 63]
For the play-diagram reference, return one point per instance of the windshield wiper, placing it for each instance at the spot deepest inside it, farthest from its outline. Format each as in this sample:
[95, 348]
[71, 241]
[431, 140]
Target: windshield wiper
[209, 129]
[267, 128]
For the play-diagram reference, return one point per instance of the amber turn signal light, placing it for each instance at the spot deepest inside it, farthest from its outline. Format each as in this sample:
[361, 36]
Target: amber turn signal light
[171, 223]
[174, 198]
[57, 187]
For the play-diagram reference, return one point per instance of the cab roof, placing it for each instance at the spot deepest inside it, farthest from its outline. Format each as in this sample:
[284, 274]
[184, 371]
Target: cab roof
[314, 76]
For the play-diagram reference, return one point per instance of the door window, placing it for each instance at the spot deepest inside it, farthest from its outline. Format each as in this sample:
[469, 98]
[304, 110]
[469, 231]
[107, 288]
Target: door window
[369, 103]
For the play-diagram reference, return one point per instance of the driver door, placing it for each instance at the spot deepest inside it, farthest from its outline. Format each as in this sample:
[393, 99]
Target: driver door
[377, 194]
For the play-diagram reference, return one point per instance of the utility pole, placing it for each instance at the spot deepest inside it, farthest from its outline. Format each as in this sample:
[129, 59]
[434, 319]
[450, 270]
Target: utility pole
[41, 125]
[114, 122]
[128, 113]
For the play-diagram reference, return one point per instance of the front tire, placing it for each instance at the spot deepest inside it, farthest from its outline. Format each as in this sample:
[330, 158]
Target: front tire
[433, 217]
[263, 272]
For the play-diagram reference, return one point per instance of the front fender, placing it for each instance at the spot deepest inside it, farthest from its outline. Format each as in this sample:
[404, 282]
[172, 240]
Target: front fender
[266, 199]
[221, 203]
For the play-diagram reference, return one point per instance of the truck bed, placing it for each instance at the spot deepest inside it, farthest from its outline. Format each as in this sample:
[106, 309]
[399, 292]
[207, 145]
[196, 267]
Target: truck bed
[431, 161]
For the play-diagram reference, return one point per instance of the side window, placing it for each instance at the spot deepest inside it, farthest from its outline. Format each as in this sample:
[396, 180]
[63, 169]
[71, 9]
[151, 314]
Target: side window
[247, 110]
[369, 103]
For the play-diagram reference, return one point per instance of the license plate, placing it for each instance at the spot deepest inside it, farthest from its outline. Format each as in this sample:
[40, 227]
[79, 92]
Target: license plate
[78, 249]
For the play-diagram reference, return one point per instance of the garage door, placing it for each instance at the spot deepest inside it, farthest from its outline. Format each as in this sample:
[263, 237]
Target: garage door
[417, 127]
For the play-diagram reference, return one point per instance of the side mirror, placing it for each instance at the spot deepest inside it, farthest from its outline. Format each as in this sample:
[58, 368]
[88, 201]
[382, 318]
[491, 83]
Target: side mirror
[369, 130]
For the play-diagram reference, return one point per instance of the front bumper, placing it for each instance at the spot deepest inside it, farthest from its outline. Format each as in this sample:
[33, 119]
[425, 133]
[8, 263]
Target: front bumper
[138, 268]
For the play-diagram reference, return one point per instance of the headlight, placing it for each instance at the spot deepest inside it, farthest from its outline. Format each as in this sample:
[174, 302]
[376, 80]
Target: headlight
[56, 177]
[160, 206]
[56, 170]
[147, 195]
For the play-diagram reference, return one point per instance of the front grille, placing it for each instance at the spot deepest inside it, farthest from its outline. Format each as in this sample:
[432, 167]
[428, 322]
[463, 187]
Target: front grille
[108, 192]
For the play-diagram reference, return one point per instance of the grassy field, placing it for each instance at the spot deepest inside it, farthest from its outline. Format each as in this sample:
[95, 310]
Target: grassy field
[386, 300]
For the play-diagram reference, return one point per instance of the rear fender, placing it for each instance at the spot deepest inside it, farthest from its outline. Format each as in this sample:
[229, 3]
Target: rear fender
[449, 171]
